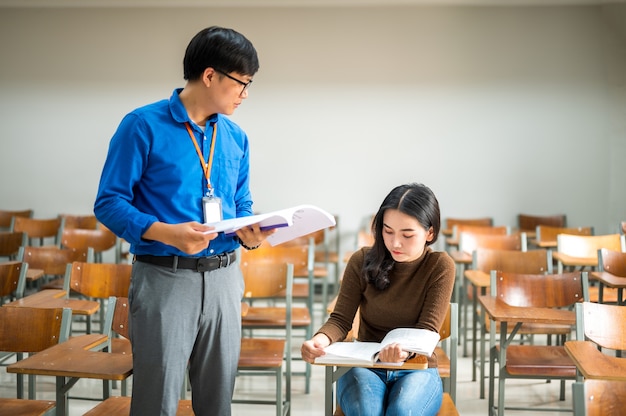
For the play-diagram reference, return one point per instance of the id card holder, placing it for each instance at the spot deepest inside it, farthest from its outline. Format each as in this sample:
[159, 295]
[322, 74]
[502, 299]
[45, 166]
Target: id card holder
[212, 209]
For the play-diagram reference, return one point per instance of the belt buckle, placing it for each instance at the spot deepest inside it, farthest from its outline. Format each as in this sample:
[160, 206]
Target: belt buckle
[202, 265]
[222, 257]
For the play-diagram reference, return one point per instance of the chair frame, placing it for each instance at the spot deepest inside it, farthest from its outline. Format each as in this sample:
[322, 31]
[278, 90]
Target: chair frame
[558, 291]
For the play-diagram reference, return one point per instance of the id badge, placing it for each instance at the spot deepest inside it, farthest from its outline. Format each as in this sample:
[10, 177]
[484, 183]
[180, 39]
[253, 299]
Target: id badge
[212, 208]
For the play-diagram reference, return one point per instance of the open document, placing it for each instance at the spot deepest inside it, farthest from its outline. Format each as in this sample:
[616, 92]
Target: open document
[290, 223]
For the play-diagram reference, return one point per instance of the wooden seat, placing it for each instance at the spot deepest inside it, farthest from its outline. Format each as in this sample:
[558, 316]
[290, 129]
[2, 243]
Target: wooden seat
[26, 407]
[42, 230]
[31, 330]
[520, 291]
[120, 406]
[599, 398]
[12, 280]
[301, 257]
[6, 217]
[528, 224]
[271, 282]
[600, 341]
[10, 243]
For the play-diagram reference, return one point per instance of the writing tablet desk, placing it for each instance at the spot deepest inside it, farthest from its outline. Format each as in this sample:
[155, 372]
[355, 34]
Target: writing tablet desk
[34, 274]
[72, 360]
[594, 364]
[56, 298]
[610, 280]
[569, 261]
[334, 371]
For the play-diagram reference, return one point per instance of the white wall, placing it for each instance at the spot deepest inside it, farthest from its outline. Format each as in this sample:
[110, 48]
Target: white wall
[498, 110]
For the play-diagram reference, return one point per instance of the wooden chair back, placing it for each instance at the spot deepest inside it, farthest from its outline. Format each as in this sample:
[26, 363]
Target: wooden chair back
[10, 243]
[120, 316]
[12, 279]
[587, 246]
[85, 222]
[468, 242]
[612, 261]
[539, 290]
[532, 261]
[483, 221]
[101, 239]
[98, 280]
[39, 228]
[599, 397]
[529, 223]
[29, 330]
[547, 234]
[298, 255]
[479, 229]
[602, 323]
[51, 259]
[6, 217]
[266, 280]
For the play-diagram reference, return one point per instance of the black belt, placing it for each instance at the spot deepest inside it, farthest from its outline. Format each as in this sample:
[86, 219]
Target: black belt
[198, 264]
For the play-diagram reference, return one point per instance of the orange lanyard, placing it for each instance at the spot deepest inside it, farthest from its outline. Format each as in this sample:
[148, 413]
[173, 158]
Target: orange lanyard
[206, 166]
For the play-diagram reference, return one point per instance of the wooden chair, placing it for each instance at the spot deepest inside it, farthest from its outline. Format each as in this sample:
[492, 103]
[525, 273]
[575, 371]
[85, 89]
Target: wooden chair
[97, 281]
[85, 222]
[6, 217]
[484, 260]
[12, 280]
[100, 240]
[261, 356]
[611, 275]
[302, 259]
[600, 341]
[451, 222]
[528, 223]
[26, 407]
[454, 240]
[446, 354]
[31, 330]
[599, 398]
[581, 251]
[545, 235]
[10, 243]
[531, 295]
[37, 229]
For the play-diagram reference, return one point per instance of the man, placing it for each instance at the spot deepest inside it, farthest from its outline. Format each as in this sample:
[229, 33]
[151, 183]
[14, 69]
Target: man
[172, 166]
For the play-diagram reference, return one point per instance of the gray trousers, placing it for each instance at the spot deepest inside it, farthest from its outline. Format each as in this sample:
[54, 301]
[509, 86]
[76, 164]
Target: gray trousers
[184, 319]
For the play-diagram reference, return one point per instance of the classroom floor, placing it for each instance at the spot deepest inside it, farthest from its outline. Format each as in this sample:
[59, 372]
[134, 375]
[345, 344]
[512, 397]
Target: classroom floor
[518, 392]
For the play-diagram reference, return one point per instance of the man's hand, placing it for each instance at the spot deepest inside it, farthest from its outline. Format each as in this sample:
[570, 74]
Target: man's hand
[252, 236]
[188, 237]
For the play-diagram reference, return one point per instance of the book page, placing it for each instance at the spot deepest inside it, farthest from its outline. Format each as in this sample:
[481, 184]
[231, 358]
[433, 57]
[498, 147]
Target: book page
[349, 353]
[420, 341]
[291, 223]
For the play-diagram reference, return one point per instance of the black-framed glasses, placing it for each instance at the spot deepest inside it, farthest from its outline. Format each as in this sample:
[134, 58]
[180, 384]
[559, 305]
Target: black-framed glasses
[244, 84]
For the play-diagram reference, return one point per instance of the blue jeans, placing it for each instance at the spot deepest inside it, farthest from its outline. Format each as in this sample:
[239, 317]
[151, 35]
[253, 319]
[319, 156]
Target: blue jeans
[377, 392]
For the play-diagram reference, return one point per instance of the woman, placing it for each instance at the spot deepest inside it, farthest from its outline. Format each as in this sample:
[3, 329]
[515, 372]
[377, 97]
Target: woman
[398, 282]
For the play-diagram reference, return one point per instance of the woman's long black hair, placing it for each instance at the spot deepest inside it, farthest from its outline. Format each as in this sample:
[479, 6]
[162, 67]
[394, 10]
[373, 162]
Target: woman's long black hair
[414, 199]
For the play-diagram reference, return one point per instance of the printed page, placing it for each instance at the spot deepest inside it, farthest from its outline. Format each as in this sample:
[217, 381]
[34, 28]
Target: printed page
[361, 353]
[421, 341]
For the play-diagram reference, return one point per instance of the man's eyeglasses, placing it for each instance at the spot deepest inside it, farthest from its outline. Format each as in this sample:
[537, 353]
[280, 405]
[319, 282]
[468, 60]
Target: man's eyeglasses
[245, 84]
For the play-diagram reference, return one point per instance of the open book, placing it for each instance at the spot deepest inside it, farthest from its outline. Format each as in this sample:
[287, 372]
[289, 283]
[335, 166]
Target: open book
[291, 223]
[419, 341]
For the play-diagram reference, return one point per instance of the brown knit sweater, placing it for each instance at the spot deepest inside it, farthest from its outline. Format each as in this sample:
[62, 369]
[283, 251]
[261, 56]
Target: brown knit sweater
[418, 297]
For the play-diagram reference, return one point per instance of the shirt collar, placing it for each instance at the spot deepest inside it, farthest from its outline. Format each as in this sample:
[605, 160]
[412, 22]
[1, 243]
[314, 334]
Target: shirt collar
[179, 113]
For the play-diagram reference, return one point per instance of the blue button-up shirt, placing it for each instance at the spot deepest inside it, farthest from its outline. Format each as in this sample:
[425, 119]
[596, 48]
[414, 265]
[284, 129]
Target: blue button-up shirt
[153, 173]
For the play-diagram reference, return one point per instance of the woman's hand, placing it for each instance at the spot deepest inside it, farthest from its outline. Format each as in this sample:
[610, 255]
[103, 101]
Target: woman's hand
[393, 353]
[314, 347]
